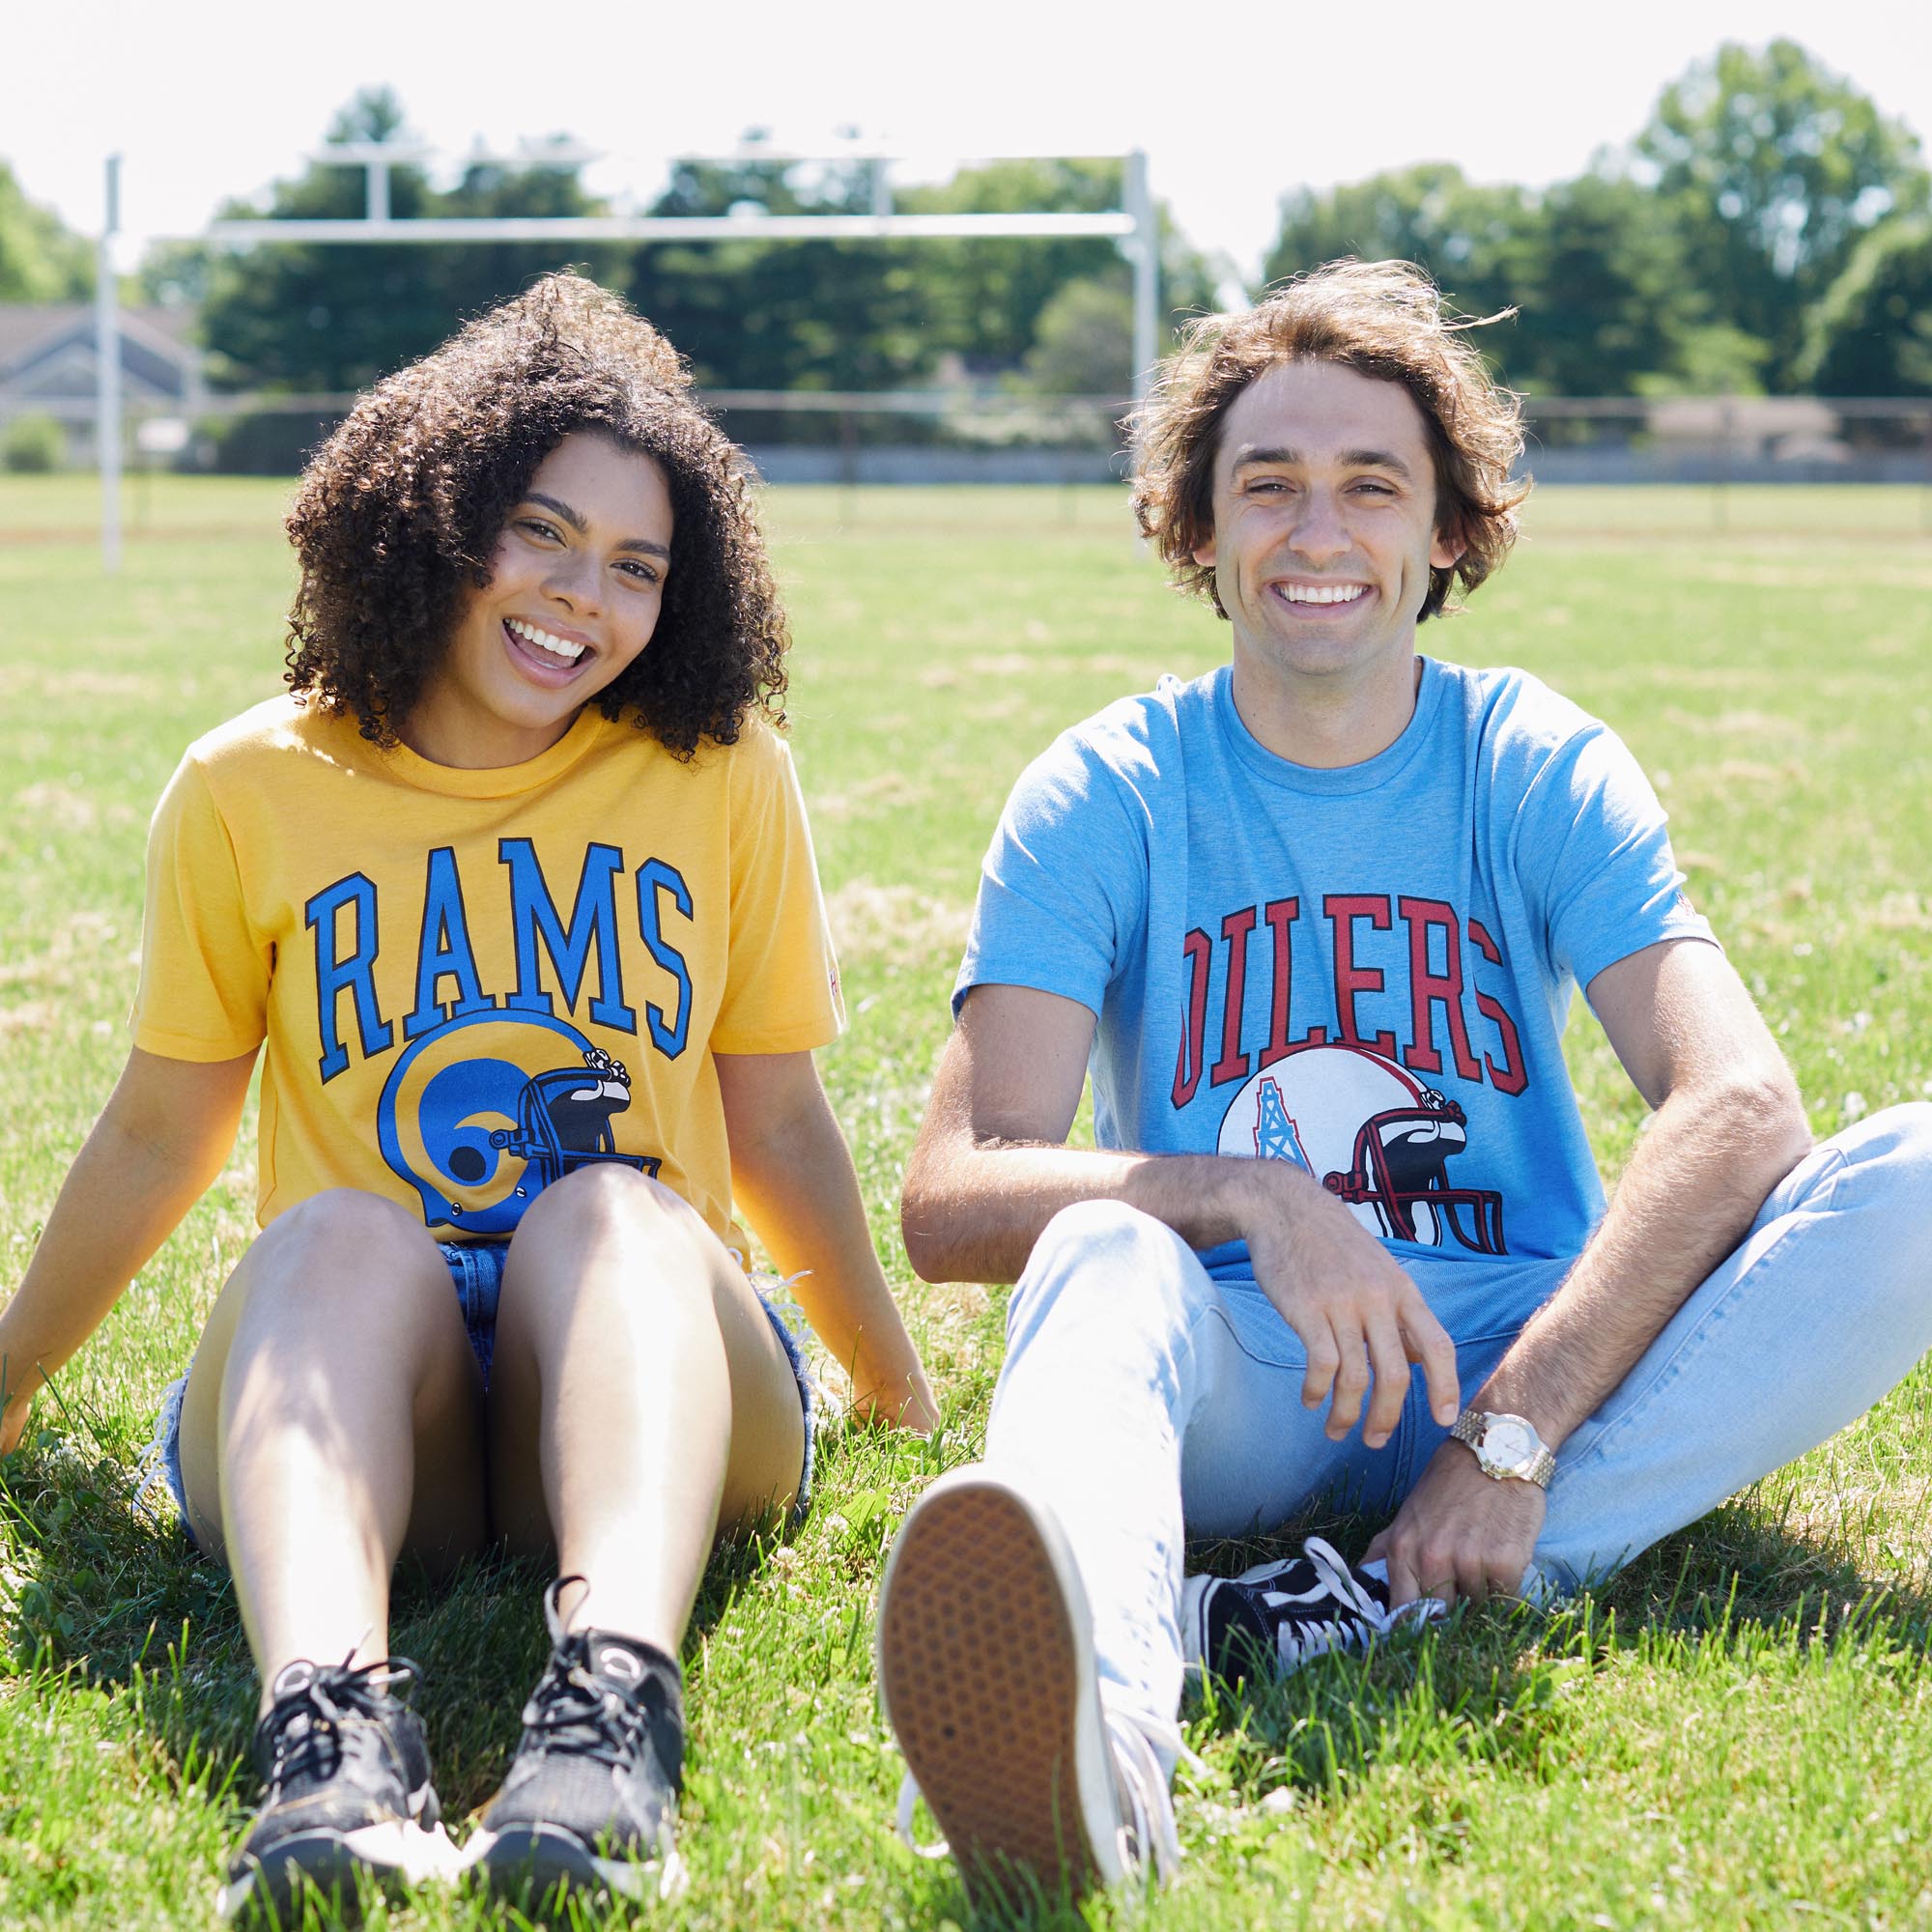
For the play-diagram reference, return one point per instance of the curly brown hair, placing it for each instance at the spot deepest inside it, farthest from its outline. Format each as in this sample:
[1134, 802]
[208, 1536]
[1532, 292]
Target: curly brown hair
[1384, 319]
[399, 512]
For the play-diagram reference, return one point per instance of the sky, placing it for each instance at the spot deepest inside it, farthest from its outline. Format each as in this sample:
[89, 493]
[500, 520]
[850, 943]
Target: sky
[1234, 101]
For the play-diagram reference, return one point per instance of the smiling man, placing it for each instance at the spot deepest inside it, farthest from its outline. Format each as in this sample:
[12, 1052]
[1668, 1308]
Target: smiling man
[1313, 923]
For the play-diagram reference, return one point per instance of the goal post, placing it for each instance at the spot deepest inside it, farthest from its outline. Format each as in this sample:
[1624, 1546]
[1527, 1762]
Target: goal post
[1133, 225]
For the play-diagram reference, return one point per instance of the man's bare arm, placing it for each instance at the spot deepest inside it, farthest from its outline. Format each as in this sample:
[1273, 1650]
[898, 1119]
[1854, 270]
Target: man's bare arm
[1728, 1127]
[991, 1169]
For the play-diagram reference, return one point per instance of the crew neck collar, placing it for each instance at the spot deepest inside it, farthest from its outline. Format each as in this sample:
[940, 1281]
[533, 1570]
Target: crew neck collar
[499, 781]
[1336, 780]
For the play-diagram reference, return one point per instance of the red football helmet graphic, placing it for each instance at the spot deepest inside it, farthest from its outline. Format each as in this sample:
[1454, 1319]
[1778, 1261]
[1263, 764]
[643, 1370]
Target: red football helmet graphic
[1374, 1136]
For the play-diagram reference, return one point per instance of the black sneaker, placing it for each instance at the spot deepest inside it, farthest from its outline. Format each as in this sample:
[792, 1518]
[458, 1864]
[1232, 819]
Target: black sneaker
[349, 1793]
[592, 1790]
[1274, 1617]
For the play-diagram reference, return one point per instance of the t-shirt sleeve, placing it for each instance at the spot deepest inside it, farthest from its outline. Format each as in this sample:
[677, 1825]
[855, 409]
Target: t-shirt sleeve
[781, 990]
[1062, 883]
[1596, 855]
[205, 970]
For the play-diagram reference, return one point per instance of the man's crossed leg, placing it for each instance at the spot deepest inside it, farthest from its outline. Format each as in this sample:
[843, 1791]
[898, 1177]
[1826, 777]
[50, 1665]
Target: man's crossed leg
[1142, 1402]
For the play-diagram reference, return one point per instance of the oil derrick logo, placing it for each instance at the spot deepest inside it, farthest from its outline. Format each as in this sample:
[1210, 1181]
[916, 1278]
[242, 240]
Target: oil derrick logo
[1276, 1137]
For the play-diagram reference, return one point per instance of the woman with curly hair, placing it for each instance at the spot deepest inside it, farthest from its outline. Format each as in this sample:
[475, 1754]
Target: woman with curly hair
[515, 885]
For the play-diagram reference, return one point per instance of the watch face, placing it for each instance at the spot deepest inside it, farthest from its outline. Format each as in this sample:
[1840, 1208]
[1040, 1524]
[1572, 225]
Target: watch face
[1509, 1443]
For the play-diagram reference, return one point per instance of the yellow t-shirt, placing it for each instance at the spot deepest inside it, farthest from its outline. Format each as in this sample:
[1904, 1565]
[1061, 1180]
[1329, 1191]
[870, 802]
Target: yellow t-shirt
[473, 983]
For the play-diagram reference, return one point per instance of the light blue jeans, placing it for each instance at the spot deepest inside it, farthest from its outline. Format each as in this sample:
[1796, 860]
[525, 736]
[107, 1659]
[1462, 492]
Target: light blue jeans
[1144, 1401]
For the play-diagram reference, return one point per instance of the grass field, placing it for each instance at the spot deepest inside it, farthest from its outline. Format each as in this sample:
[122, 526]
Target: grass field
[1738, 1732]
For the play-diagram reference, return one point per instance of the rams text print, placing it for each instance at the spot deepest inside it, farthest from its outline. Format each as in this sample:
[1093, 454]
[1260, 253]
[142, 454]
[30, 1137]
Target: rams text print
[493, 1094]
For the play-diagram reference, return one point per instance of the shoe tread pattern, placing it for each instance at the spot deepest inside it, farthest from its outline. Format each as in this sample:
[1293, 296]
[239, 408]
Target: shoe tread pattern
[979, 1670]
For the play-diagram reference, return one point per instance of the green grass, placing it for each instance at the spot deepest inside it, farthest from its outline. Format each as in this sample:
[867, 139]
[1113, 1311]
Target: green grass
[1737, 1733]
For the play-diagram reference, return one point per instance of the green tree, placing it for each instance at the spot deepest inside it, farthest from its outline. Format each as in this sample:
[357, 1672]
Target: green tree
[41, 259]
[1470, 237]
[753, 314]
[749, 313]
[872, 314]
[1872, 333]
[986, 298]
[1608, 302]
[1774, 168]
[1084, 343]
[1605, 294]
[336, 317]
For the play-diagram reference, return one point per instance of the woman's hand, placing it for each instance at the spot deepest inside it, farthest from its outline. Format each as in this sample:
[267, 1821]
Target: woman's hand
[792, 1172]
[893, 1393]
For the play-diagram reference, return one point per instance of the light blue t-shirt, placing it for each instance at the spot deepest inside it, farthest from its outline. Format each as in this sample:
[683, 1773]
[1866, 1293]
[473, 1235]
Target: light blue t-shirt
[1364, 970]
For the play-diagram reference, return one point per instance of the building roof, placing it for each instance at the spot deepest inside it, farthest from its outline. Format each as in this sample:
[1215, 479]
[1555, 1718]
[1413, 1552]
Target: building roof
[33, 332]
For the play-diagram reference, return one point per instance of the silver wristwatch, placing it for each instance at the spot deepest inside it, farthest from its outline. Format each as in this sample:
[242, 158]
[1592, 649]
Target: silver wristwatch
[1507, 1447]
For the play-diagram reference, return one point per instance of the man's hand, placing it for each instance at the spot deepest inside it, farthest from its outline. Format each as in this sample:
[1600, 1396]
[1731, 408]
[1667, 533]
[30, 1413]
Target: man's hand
[1357, 1314]
[1461, 1533]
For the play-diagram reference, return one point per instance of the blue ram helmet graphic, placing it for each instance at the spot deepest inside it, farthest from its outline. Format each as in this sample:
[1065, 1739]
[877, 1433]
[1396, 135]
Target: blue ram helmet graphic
[478, 1117]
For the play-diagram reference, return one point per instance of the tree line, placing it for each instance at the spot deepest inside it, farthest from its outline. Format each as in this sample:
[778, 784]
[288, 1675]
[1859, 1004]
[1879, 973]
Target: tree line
[1768, 229]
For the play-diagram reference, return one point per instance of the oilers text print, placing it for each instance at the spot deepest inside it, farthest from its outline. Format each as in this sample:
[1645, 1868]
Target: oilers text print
[1404, 980]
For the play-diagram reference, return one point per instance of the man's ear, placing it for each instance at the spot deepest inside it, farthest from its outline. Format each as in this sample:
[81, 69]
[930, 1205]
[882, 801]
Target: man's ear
[1447, 550]
[1203, 551]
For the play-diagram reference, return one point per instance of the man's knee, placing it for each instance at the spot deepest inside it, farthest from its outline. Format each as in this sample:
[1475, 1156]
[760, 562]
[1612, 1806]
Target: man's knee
[1901, 1134]
[1889, 1153]
[1113, 1261]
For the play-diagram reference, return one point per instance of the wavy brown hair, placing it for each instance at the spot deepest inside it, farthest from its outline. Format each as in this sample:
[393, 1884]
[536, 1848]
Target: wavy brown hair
[399, 512]
[1384, 319]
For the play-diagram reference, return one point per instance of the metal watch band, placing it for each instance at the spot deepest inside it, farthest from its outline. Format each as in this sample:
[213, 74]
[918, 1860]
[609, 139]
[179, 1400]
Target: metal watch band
[1472, 1428]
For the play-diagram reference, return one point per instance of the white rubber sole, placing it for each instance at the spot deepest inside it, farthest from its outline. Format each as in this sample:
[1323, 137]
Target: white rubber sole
[396, 1851]
[540, 1858]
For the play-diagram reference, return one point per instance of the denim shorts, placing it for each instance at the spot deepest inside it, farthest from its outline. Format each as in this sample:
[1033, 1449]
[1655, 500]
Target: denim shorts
[477, 1273]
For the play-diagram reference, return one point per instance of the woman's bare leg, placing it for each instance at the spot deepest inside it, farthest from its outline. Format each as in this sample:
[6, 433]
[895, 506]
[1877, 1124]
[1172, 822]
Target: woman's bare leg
[638, 1400]
[334, 1416]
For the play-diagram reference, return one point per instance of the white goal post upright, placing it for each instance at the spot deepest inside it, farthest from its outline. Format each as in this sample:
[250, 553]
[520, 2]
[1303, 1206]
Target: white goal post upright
[107, 372]
[1134, 226]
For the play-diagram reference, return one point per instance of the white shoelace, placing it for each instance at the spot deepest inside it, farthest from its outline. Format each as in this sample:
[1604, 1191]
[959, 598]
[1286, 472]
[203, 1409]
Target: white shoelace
[909, 1796]
[1298, 1641]
[1147, 1832]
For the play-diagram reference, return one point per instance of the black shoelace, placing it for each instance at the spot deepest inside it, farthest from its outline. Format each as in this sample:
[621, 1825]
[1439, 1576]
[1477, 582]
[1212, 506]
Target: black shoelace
[570, 1711]
[313, 1725]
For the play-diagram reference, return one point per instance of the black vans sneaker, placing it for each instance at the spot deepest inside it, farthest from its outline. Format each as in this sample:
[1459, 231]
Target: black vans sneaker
[592, 1790]
[1273, 1618]
[349, 1793]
